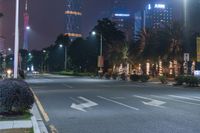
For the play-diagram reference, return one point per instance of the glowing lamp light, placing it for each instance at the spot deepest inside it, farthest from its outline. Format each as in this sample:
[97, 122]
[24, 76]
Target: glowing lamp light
[28, 27]
[161, 6]
[93, 33]
[60, 45]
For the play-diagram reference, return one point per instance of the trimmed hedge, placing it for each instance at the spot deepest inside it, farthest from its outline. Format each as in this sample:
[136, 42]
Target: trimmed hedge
[142, 78]
[15, 97]
[189, 80]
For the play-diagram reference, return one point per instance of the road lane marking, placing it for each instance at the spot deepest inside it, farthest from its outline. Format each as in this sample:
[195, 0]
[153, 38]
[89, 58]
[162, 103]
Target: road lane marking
[41, 108]
[152, 102]
[68, 86]
[81, 107]
[182, 97]
[176, 100]
[118, 98]
[119, 103]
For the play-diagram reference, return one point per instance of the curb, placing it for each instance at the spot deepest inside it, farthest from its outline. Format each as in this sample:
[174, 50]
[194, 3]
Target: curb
[35, 125]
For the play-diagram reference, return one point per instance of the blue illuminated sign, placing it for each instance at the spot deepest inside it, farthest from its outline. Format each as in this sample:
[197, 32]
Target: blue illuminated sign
[162, 6]
[122, 15]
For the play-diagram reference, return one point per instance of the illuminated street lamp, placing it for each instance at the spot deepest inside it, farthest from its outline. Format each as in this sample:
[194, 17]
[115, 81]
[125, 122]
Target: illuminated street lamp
[100, 59]
[60, 45]
[28, 28]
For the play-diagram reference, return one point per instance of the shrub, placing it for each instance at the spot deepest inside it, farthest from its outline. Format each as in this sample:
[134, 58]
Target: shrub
[107, 76]
[134, 77]
[163, 79]
[180, 80]
[144, 78]
[114, 75]
[15, 97]
[123, 76]
[192, 81]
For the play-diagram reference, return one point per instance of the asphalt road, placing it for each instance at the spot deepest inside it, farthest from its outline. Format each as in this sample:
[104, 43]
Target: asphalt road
[86, 105]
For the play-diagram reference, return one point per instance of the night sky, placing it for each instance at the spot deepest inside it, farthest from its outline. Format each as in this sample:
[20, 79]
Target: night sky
[47, 19]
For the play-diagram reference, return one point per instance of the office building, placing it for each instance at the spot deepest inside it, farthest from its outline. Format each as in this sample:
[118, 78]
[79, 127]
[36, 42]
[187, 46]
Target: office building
[2, 39]
[156, 15]
[123, 18]
[73, 18]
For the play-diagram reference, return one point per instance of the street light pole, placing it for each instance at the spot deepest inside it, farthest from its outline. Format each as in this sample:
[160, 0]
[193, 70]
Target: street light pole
[16, 39]
[65, 58]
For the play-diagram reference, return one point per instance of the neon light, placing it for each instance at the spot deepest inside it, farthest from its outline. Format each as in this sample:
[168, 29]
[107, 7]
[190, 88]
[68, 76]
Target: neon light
[162, 6]
[122, 15]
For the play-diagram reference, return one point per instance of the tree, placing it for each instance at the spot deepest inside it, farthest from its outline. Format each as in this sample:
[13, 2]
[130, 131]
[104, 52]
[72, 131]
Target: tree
[83, 55]
[113, 40]
[24, 58]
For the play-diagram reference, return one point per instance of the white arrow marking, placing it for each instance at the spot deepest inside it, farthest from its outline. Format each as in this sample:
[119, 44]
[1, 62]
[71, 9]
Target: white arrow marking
[152, 102]
[82, 106]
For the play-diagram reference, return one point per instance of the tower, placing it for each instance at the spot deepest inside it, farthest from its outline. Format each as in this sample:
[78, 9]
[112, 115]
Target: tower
[26, 26]
[2, 40]
[73, 18]
[122, 17]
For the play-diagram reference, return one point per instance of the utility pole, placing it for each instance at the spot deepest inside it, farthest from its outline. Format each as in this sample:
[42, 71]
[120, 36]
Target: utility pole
[16, 51]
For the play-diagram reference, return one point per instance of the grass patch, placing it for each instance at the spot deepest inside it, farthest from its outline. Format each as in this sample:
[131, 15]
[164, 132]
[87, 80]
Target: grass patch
[25, 116]
[20, 130]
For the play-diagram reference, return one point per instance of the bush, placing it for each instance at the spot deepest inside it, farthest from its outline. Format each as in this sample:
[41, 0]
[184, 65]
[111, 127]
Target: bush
[123, 76]
[15, 97]
[144, 78]
[114, 75]
[192, 81]
[163, 79]
[180, 80]
[134, 77]
[107, 76]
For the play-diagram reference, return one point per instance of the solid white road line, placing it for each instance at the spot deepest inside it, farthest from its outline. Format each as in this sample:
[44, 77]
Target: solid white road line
[182, 97]
[176, 100]
[119, 103]
[68, 86]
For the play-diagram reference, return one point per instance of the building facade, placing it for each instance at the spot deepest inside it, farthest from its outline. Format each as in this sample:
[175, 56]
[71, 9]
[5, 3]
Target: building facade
[123, 18]
[2, 39]
[73, 16]
[157, 14]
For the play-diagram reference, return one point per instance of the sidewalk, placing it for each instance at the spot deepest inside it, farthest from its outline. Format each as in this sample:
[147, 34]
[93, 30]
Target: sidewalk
[36, 123]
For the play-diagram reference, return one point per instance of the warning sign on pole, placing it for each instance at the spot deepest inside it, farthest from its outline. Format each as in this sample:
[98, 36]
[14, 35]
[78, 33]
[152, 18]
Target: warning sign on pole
[198, 49]
[100, 61]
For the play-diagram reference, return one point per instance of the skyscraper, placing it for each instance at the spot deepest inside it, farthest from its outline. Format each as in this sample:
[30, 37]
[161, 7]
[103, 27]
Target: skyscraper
[157, 14]
[73, 18]
[26, 26]
[123, 18]
[2, 40]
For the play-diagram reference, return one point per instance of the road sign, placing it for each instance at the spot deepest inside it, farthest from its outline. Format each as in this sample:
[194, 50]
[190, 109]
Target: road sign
[186, 57]
[100, 61]
[198, 49]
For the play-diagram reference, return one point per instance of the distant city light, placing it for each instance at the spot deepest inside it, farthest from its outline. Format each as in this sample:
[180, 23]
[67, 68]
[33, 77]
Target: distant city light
[122, 15]
[149, 6]
[162, 6]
